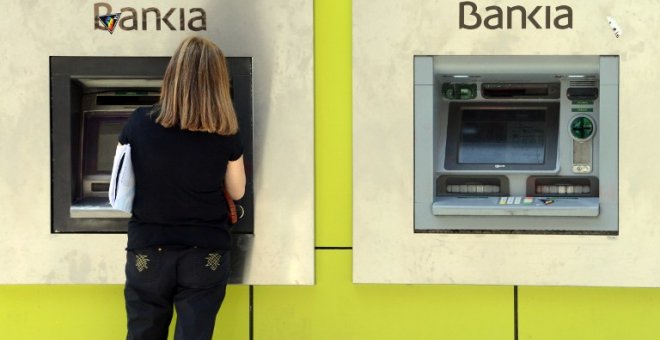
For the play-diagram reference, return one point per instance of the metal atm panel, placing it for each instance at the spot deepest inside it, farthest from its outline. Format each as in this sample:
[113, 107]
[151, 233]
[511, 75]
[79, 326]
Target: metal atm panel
[511, 144]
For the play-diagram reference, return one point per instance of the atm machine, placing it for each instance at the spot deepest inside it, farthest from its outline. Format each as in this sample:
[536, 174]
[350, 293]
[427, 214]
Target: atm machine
[91, 99]
[516, 144]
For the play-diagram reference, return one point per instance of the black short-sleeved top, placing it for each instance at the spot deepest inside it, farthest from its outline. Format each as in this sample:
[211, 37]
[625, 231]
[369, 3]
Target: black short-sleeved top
[179, 184]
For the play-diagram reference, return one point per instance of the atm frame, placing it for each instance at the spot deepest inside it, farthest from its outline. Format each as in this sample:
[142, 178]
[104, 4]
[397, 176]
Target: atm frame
[517, 210]
[64, 95]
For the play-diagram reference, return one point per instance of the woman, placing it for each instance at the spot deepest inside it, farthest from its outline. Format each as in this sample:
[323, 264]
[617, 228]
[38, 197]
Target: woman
[186, 152]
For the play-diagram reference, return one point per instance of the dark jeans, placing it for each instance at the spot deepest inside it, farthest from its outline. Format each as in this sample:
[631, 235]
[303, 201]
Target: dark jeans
[191, 279]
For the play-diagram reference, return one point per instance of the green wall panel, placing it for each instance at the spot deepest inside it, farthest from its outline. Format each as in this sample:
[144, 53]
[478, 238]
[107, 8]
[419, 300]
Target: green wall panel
[337, 309]
[333, 148]
[96, 312]
[550, 313]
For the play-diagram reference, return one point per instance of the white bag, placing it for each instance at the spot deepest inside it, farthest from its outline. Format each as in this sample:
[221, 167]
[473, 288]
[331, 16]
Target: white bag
[122, 181]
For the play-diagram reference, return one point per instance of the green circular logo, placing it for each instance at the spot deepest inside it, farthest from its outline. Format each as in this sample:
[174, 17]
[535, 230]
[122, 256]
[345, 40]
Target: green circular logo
[582, 127]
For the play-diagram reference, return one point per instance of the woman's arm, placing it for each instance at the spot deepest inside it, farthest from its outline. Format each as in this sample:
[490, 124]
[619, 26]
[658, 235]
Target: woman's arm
[235, 179]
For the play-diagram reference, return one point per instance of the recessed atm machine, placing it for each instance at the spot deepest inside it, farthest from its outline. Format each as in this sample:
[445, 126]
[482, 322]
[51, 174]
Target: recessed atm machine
[91, 99]
[522, 144]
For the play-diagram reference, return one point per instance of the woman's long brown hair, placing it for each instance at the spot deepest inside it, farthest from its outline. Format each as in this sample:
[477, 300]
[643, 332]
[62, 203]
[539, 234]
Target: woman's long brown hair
[195, 94]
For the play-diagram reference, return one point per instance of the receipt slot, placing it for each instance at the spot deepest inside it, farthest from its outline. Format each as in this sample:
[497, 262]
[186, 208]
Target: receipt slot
[91, 99]
[516, 144]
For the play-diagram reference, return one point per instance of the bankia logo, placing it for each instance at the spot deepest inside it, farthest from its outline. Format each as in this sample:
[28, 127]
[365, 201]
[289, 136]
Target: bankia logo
[147, 19]
[495, 17]
[110, 21]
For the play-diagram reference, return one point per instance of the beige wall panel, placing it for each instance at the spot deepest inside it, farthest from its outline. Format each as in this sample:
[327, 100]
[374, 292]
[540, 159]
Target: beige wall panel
[277, 34]
[386, 36]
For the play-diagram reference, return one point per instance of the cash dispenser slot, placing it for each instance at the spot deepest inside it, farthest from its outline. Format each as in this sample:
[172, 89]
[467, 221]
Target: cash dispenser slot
[520, 90]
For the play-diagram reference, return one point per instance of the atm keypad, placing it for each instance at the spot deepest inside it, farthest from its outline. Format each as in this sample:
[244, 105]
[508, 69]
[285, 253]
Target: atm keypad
[516, 200]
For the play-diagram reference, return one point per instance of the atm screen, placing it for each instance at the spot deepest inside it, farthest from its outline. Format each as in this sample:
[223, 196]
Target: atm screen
[502, 137]
[100, 132]
[107, 143]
